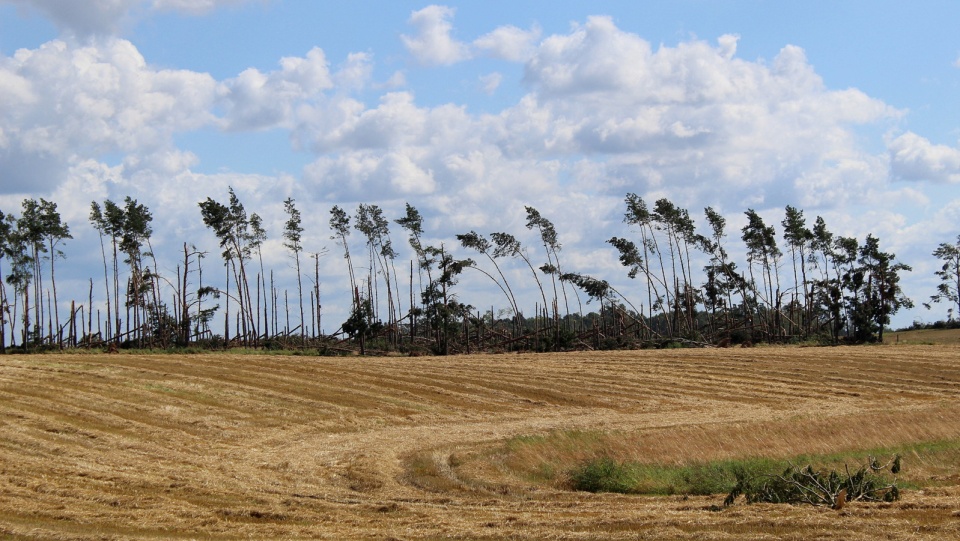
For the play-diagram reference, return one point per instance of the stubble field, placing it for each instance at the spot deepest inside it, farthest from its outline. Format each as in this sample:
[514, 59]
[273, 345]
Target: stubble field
[229, 446]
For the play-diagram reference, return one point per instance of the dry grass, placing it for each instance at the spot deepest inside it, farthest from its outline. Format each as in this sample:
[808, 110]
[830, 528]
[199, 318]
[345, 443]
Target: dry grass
[944, 337]
[228, 447]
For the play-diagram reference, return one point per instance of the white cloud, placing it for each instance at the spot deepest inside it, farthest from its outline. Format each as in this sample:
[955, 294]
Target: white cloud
[86, 18]
[355, 73]
[490, 83]
[64, 102]
[690, 119]
[356, 175]
[693, 117]
[344, 124]
[86, 181]
[254, 100]
[83, 17]
[847, 181]
[605, 114]
[509, 43]
[433, 45]
[397, 80]
[913, 157]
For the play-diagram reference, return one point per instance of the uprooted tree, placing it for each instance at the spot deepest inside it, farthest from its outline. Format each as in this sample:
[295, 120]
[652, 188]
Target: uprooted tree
[806, 485]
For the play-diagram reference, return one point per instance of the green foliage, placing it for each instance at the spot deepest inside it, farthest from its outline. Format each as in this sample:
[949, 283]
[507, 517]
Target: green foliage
[749, 477]
[362, 322]
[442, 308]
[949, 273]
[629, 255]
[292, 230]
[231, 226]
[603, 475]
[818, 487]
[852, 298]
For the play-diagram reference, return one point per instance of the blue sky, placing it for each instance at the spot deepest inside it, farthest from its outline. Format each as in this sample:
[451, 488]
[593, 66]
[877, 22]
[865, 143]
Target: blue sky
[471, 110]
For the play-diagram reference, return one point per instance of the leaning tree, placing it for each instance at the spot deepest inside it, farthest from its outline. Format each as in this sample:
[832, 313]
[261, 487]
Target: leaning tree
[949, 287]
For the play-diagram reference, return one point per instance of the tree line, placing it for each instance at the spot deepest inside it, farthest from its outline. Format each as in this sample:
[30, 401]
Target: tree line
[801, 284]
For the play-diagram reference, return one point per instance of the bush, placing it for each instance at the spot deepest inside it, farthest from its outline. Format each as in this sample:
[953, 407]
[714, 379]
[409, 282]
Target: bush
[698, 479]
[603, 475]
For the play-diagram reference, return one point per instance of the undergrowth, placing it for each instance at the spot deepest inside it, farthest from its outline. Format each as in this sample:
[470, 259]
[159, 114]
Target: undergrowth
[606, 474]
[819, 487]
[597, 471]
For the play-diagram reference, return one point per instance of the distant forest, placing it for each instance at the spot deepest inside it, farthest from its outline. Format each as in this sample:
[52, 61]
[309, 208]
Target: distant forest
[805, 285]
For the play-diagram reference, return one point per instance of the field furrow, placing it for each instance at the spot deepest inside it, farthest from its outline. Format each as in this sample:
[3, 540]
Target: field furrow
[229, 446]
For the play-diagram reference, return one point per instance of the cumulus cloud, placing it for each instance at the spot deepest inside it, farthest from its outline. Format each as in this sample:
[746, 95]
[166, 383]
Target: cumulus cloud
[355, 176]
[509, 43]
[397, 122]
[433, 45]
[605, 113]
[692, 116]
[490, 82]
[913, 157]
[355, 72]
[85, 18]
[255, 100]
[60, 102]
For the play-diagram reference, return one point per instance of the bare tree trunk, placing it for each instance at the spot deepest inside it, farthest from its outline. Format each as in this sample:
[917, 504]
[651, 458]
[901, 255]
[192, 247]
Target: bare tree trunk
[266, 304]
[72, 335]
[413, 318]
[273, 293]
[3, 315]
[90, 311]
[303, 335]
[116, 293]
[226, 316]
[316, 285]
[184, 304]
[56, 306]
[49, 320]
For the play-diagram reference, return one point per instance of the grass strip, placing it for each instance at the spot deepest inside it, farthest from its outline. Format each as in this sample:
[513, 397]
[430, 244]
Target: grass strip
[930, 462]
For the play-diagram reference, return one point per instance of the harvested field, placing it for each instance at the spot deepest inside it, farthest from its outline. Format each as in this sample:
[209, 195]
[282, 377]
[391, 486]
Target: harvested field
[940, 337]
[279, 447]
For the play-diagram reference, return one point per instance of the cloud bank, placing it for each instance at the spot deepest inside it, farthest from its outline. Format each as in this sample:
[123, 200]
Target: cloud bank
[603, 112]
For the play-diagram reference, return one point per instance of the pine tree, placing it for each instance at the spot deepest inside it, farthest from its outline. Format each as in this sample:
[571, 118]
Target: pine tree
[798, 238]
[949, 287]
[478, 242]
[340, 225]
[292, 232]
[135, 233]
[762, 249]
[257, 236]
[881, 293]
[551, 245]
[508, 245]
[232, 227]
[413, 223]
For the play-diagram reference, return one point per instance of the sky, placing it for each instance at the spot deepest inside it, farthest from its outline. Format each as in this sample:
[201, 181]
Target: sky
[471, 111]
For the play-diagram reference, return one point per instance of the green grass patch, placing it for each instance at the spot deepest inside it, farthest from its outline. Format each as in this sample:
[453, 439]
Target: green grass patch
[599, 462]
[605, 474]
